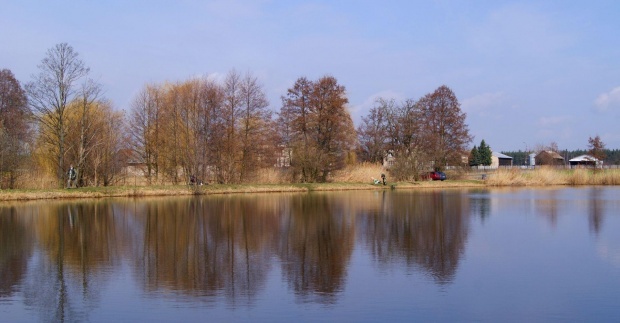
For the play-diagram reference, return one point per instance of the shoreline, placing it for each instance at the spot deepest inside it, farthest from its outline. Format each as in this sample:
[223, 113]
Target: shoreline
[185, 190]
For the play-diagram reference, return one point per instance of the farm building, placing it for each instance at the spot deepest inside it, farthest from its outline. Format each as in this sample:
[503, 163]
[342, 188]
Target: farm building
[499, 159]
[549, 157]
[585, 160]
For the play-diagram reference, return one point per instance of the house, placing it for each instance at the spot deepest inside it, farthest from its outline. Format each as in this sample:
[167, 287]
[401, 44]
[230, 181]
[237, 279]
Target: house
[284, 157]
[549, 157]
[388, 160]
[499, 159]
[585, 160]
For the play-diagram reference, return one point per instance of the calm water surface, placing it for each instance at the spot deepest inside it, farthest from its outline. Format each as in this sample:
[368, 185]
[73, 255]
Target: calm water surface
[452, 255]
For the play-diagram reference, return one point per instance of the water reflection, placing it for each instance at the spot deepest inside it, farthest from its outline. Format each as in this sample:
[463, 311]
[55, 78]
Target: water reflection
[426, 230]
[15, 250]
[75, 242]
[201, 247]
[59, 256]
[595, 209]
[315, 246]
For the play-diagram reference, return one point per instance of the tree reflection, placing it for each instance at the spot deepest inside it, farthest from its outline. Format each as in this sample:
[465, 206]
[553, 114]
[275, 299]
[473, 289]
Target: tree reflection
[595, 210]
[78, 242]
[427, 229]
[549, 206]
[15, 250]
[480, 204]
[203, 247]
[315, 247]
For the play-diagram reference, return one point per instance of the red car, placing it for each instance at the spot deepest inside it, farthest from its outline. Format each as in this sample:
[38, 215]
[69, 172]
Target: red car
[435, 176]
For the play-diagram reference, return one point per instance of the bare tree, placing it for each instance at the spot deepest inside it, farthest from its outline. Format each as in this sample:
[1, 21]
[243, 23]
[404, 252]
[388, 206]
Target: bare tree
[87, 106]
[372, 134]
[143, 128]
[230, 116]
[14, 128]
[297, 111]
[255, 123]
[49, 94]
[596, 149]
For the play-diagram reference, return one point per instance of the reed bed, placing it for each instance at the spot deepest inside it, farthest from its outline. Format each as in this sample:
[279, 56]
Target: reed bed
[550, 176]
[361, 173]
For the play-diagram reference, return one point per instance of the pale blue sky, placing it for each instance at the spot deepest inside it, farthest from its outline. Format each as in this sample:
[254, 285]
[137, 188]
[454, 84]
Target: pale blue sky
[526, 72]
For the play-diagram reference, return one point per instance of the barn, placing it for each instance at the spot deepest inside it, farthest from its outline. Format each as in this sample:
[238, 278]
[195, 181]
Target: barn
[499, 159]
[585, 160]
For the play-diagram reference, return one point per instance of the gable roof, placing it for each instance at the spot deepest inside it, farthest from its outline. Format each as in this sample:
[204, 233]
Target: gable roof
[500, 155]
[583, 158]
[551, 153]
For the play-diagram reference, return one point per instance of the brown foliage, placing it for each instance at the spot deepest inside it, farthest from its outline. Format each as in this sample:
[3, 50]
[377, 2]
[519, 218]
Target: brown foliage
[320, 129]
[14, 128]
[416, 135]
[596, 148]
[445, 132]
[218, 132]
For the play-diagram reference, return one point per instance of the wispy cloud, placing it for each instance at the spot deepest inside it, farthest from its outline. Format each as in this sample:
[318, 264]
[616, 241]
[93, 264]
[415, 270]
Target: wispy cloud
[553, 120]
[518, 29]
[608, 101]
[360, 110]
[483, 103]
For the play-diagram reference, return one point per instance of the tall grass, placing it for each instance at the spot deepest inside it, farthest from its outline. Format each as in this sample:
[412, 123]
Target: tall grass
[36, 180]
[360, 173]
[550, 176]
[273, 175]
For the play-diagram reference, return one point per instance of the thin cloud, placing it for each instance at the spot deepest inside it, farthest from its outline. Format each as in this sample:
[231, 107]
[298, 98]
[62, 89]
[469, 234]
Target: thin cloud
[554, 120]
[482, 103]
[360, 110]
[518, 29]
[608, 101]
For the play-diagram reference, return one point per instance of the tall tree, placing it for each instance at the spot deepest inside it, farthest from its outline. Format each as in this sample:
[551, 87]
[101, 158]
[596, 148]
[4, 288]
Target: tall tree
[49, 94]
[444, 128]
[372, 134]
[322, 129]
[333, 132]
[254, 125]
[231, 111]
[297, 111]
[596, 149]
[86, 105]
[14, 128]
[144, 129]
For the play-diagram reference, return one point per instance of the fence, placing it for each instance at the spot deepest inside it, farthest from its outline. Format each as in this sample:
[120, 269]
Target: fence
[491, 168]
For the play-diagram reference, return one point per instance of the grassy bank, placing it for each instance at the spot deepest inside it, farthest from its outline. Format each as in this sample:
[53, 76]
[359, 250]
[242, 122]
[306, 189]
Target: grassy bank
[357, 178]
[181, 190]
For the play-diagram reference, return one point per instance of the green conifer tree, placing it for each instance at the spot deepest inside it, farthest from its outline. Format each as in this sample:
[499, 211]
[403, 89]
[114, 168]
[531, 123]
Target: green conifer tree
[474, 157]
[485, 154]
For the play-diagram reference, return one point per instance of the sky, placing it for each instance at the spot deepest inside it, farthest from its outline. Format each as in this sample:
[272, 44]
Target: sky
[527, 73]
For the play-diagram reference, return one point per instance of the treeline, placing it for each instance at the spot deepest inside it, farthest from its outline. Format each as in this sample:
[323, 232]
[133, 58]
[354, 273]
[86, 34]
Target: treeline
[520, 157]
[217, 131]
[415, 135]
[213, 130]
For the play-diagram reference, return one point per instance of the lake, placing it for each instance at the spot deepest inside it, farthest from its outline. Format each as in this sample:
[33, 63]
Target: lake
[407, 255]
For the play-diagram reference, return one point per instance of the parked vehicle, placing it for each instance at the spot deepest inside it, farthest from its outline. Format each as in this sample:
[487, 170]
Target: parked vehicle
[434, 176]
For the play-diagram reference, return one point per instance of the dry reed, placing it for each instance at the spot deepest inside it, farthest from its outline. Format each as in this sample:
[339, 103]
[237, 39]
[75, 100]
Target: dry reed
[361, 173]
[549, 176]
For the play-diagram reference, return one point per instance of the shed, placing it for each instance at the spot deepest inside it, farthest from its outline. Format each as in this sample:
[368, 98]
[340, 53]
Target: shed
[499, 159]
[549, 157]
[585, 160]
